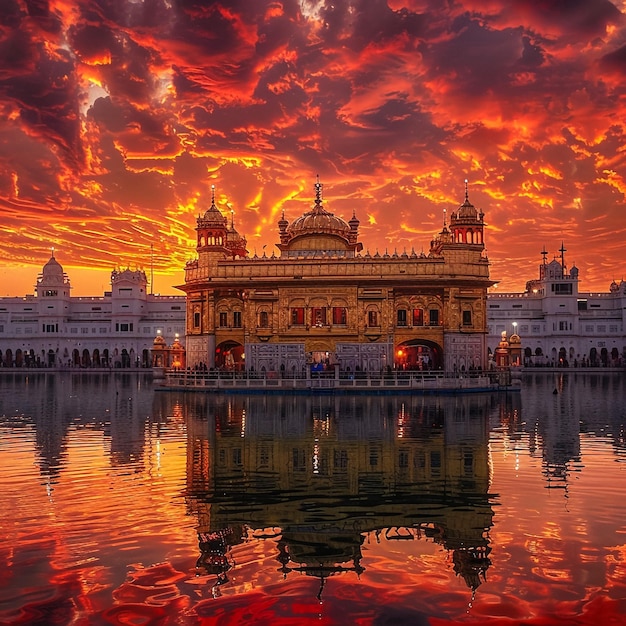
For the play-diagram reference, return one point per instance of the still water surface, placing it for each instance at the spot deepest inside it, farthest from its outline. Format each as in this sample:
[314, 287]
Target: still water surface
[125, 505]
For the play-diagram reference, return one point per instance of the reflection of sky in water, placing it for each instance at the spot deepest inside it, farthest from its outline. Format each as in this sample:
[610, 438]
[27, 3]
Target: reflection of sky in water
[127, 505]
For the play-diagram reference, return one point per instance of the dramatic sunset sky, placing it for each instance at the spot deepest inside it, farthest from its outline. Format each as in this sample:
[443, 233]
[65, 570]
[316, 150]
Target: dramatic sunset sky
[117, 116]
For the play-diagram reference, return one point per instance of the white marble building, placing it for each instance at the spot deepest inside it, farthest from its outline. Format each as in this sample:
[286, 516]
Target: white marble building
[558, 324]
[51, 328]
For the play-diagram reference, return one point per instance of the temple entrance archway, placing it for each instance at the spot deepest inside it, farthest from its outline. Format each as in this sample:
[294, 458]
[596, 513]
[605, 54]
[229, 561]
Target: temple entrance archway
[418, 354]
[320, 356]
[229, 355]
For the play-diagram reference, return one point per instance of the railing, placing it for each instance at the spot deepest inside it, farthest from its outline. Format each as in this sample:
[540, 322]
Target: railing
[271, 268]
[398, 380]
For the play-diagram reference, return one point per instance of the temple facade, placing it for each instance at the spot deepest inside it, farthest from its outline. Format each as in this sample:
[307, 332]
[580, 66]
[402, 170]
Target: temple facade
[559, 325]
[322, 302]
[52, 328]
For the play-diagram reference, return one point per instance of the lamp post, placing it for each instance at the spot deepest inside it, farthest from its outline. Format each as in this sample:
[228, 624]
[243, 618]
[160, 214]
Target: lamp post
[515, 328]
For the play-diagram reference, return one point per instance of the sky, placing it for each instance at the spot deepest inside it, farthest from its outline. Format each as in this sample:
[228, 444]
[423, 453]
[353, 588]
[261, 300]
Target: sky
[117, 117]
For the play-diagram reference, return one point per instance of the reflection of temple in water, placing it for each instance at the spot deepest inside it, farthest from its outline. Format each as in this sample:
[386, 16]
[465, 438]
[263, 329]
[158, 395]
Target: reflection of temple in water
[55, 403]
[549, 429]
[554, 411]
[322, 474]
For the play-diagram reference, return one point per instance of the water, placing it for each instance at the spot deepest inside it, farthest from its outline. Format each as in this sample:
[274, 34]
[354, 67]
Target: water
[122, 505]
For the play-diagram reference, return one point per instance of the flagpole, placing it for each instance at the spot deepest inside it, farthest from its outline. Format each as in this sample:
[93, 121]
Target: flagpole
[151, 269]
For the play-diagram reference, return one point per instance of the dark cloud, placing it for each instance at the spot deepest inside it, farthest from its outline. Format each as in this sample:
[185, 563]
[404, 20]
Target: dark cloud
[615, 60]
[477, 58]
[532, 55]
[584, 18]
[93, 44]
[37, 80]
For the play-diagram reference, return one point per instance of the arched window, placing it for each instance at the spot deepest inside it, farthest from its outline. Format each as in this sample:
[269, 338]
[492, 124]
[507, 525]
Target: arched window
[297, 316]
[264, 319]
[318, 316]
[340, 315]
[372, 317]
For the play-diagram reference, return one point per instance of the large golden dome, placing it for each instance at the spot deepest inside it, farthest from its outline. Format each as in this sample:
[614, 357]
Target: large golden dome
[319, 221]
[319, 231]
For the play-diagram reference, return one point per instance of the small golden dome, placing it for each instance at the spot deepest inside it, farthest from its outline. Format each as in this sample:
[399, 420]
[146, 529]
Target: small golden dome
[213, 216]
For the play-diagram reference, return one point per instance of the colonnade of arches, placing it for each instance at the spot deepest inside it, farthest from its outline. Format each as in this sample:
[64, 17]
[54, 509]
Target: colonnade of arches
[563, 357]
[468, 235]
[116, 358]
[210, 239]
